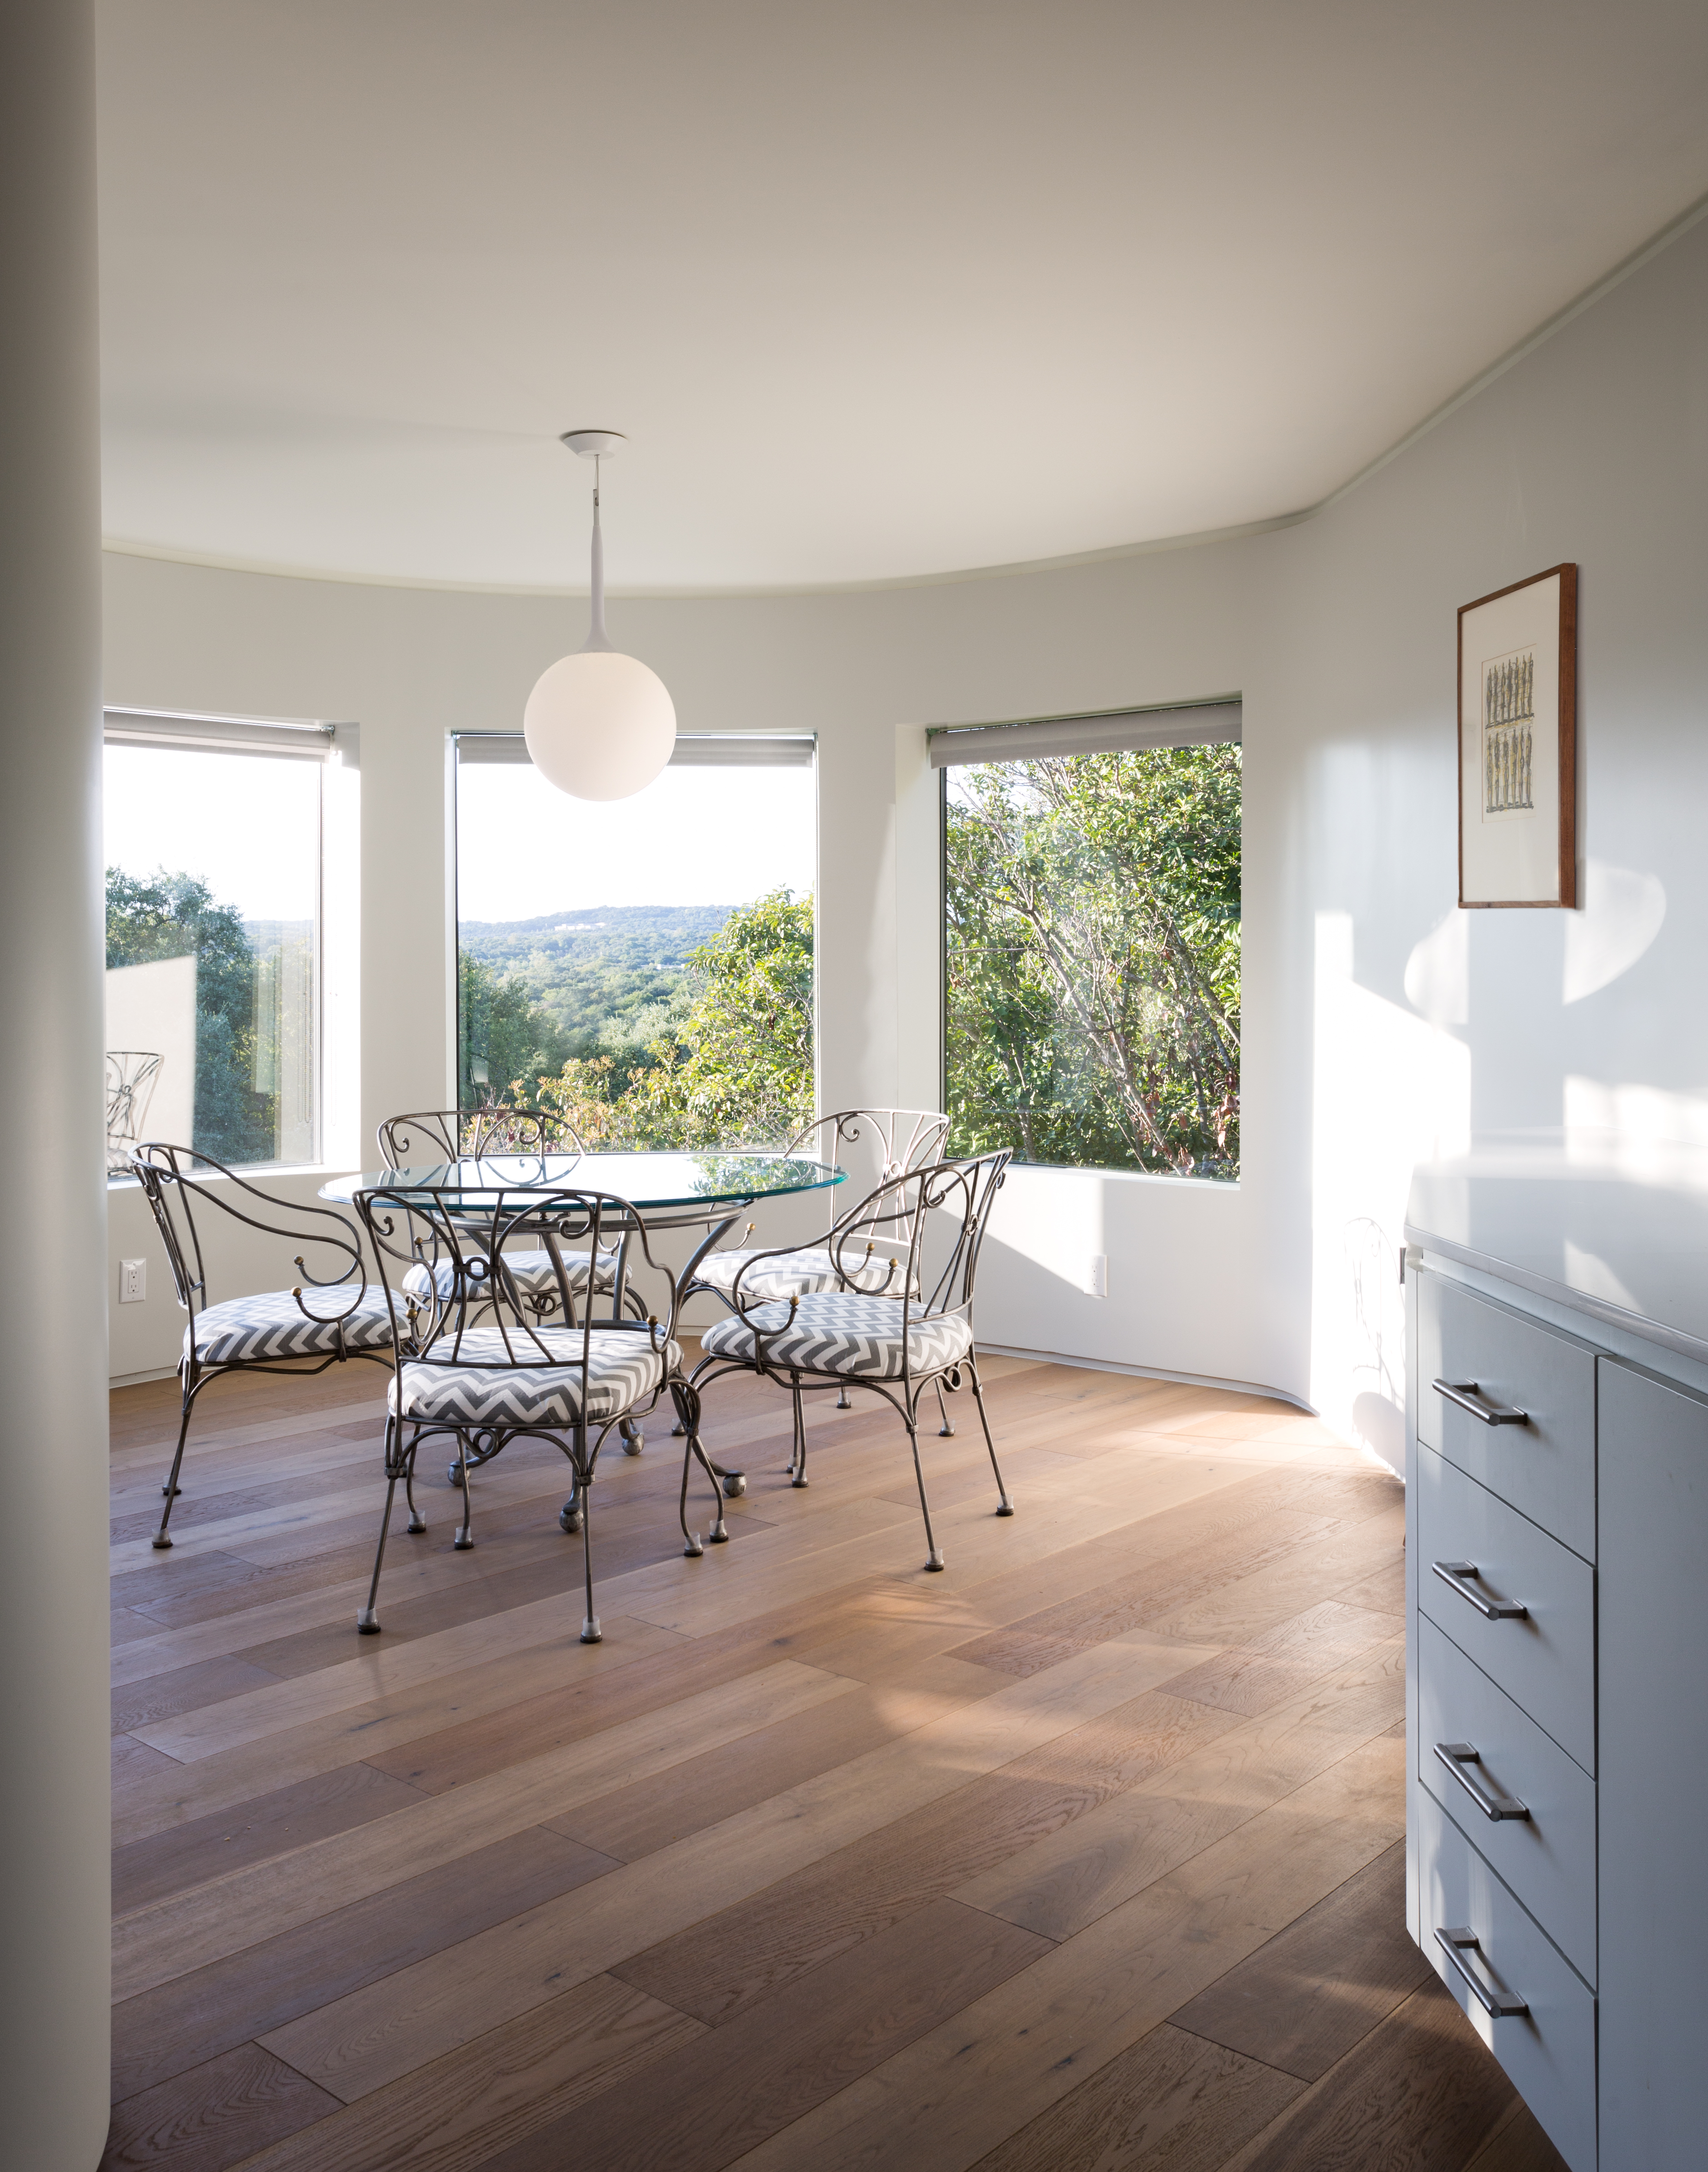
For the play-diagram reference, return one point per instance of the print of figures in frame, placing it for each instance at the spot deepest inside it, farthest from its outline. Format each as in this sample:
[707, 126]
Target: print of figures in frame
[1518, 744]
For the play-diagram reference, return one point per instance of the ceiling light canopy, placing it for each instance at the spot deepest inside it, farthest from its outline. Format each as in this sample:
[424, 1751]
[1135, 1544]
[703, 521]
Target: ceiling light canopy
[598, 724]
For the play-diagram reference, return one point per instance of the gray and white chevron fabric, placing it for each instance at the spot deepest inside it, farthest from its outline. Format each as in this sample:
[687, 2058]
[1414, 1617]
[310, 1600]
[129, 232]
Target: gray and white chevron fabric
[248, 1330]
[791, 1274]
[490, 1389]
[835, 1331]
[532, 1272]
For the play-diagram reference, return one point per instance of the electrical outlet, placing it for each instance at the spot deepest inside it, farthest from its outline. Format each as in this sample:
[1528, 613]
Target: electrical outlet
[133, 1280]
[1097, 1274]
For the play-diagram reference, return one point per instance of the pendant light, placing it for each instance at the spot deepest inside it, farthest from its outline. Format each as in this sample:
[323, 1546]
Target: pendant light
[598, 724]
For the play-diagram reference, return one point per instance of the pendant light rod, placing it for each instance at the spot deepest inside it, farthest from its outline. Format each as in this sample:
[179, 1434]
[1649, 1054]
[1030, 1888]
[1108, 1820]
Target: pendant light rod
[596, 445]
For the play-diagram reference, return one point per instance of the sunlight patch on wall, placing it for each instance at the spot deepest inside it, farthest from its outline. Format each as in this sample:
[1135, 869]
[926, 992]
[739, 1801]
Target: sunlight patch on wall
[1622, 913]
[1391, 1089]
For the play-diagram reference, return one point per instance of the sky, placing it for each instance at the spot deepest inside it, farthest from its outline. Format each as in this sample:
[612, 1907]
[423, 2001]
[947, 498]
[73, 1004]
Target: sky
[695, 836]
[247, 825]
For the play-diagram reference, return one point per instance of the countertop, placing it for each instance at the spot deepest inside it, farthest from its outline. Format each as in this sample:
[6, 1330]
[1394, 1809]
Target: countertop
[1613, 1226]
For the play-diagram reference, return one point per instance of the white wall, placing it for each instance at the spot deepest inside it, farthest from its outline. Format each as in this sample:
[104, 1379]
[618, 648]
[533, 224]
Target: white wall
[1340, 633]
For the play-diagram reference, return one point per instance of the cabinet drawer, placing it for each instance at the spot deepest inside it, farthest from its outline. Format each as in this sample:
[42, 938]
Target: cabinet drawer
[1546, 1466]
[1548, 1858]
[1549, 2052]
[1544, 1662]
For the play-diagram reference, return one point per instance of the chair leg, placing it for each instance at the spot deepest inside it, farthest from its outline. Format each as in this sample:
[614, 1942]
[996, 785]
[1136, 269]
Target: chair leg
[798, 1460]
[591, 1633]
[1006, 1506]
[634, 1440]
[934, 1556]
[466, 1537]
[367, 1617]
[162, 1538]
[417, 1522]
[688, 1423]
[947, 1429]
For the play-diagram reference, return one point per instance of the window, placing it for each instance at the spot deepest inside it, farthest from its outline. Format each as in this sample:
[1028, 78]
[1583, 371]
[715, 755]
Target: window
[1091, 902]
[645, 965]
[212, 854]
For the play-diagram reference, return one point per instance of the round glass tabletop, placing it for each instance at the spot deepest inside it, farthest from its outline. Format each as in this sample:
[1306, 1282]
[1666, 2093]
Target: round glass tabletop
[667, 1179]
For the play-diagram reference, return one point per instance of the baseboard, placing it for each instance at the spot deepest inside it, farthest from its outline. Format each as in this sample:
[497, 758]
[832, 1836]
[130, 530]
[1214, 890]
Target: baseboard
[1150, 1373]
[137, 1380]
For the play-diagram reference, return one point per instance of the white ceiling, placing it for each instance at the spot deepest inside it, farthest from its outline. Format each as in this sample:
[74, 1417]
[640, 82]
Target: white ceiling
[877, 290]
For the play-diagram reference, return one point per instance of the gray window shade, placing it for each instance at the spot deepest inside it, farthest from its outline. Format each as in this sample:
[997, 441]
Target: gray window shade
[1198, 723]
[760, 751]
[294, 737]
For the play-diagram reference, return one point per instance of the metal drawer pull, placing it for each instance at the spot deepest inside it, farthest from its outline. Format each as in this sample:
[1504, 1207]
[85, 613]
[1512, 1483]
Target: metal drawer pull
[1494, 2004]
[1470, 1397]
[1458, 1576]
[1454, 1756]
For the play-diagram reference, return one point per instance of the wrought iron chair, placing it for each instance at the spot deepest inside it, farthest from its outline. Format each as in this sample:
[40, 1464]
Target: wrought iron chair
[517, 1376]
[889, 1143]
[448, 1135]
[327, 1318]
[896, 1346]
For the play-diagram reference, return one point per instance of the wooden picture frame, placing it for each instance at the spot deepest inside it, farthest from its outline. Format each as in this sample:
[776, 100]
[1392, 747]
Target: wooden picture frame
[1518, 756]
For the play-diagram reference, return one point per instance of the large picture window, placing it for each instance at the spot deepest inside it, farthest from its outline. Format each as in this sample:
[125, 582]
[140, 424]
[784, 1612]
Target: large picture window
[1091, 899]
[212, 854]
[643, 966]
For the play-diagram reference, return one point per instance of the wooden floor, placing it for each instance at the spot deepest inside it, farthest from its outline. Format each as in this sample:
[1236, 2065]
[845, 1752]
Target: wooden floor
[1084, 1855]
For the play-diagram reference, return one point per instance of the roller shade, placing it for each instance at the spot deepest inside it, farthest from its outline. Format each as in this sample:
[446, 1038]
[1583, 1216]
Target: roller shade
[295, 738]
[1197, 723]
[757, 750]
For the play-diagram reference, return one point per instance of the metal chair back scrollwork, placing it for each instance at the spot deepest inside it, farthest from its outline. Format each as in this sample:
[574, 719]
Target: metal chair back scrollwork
[515, 1376]
[328, 1316]
[894, 1346]
[446, 1135]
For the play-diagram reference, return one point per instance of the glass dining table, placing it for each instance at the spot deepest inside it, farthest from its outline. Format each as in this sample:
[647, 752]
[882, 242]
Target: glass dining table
[674, 1188]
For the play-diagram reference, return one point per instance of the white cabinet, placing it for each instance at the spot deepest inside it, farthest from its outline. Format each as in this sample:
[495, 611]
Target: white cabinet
[1557, 1590]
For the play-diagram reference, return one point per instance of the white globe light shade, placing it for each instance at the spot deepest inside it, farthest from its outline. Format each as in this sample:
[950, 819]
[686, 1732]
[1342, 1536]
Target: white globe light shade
[599, 725]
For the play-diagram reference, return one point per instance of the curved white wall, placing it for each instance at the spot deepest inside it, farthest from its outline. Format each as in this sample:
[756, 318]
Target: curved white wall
[1340, 633]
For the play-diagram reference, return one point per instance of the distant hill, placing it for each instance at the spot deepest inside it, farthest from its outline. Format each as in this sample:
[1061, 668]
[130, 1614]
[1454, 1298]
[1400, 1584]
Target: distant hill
[603, 973]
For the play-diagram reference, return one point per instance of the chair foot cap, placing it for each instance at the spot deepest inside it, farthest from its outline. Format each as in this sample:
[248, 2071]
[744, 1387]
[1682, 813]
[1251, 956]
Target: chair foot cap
[734, 1485]
[591, 1633]
[463, 1543]
[802, 1480]
[416, 1526]
[679, 1432]
[171, 1492]
[937, 1561]
[718, 1535]
[1006, 1508]
[161, 1542]
[454, 1475]
[367, 1622]
[694, 1549]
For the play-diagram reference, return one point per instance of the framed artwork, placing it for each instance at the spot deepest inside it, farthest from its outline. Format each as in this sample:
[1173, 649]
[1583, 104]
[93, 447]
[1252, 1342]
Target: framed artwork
[1518, 743]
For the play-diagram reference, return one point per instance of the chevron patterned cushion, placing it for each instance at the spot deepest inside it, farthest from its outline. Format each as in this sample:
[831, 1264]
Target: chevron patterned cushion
[532, 1271]
[789, 1274]
[248, 1330]
[492, 1389]
[835, 1331]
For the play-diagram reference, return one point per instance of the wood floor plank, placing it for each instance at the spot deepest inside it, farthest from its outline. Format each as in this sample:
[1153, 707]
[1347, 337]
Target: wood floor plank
[652, 1813]
[1117, 1849]
[179, 2024]
[245, 1906]
[1419, 2091]
[1170, 2103]
[213, 2115]
[185, 1691]
[361, 2042]
[952, 2096]
[729, 1962]
[600, 2037]
[1518, 2145]
[204, 1849]
[732, 2087]
[561, 1670]
[1301, 2003]
[1250, 1678]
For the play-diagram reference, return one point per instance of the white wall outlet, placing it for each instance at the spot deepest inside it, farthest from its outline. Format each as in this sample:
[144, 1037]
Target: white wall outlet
[1097, 1274]
[133, 1280]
